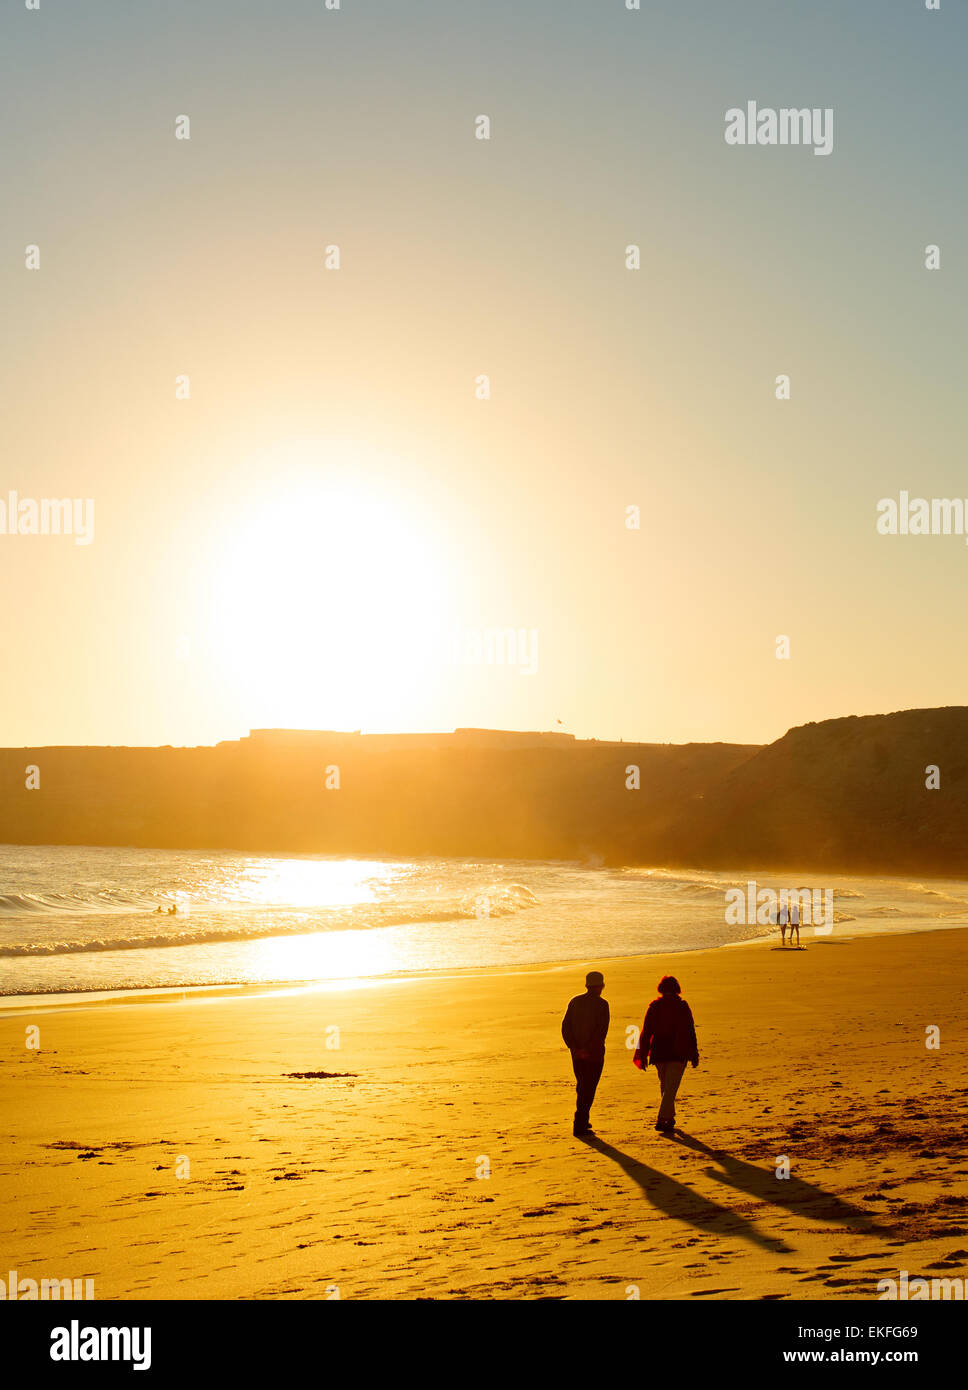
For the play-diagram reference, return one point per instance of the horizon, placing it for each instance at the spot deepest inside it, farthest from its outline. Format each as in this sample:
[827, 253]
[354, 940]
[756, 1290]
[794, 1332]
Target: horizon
[489, 729]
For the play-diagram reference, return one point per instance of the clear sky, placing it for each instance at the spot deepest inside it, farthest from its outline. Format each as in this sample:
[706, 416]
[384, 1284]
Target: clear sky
[297, 542]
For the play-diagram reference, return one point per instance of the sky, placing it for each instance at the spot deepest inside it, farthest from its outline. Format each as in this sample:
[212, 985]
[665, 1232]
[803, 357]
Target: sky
[329, 530]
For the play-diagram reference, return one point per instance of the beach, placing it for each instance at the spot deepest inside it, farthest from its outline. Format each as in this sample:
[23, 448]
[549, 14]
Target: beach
[168, 1149]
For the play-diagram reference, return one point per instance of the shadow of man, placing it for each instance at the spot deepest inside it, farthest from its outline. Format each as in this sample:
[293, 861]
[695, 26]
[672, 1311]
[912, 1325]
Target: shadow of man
[792, 1194]
[681, 1203]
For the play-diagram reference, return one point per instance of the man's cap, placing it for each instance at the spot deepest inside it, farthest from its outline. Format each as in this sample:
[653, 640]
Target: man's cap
[594, 977]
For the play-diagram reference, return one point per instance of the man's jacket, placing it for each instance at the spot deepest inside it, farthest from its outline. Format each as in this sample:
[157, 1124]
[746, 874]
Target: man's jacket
[585, 1023]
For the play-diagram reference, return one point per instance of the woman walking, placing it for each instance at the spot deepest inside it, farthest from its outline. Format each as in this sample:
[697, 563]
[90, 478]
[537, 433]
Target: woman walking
[668, 1040]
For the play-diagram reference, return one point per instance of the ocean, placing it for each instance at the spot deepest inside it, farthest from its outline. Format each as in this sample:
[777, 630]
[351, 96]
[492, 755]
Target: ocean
[87, 920]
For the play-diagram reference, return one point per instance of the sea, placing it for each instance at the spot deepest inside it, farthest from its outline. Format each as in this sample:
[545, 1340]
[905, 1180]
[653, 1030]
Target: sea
[97, 921]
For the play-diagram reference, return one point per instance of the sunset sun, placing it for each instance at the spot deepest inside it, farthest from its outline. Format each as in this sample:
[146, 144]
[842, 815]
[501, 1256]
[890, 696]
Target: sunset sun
[330, 590]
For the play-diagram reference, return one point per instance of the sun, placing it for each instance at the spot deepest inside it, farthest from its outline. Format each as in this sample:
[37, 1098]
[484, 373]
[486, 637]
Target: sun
[331, 590]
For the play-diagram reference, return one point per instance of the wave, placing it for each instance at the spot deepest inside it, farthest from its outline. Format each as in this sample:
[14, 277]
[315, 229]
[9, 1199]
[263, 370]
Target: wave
[934, 893]
[497, 900]
[706, 887]
[74, 903]
[683, 883]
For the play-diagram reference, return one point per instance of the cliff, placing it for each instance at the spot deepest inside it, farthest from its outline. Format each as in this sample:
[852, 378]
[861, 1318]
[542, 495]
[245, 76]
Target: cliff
[845, 794]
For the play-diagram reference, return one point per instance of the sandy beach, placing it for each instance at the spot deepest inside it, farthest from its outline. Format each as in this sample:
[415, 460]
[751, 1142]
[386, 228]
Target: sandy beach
[441, 1165]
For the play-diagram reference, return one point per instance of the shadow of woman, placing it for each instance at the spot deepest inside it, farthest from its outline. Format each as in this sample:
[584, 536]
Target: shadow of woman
[793, 1194]
[682, 1203]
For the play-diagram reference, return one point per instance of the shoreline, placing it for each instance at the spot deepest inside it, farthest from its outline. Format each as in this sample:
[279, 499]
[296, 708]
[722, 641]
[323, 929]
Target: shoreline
[267, 955]
[11, 1004]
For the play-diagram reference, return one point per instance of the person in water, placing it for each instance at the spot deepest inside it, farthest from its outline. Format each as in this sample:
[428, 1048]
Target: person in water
[668, 1040]
[584, 1028]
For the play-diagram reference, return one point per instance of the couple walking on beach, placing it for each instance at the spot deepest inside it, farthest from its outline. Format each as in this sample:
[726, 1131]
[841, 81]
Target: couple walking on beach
[667, 1040]
[788, 918]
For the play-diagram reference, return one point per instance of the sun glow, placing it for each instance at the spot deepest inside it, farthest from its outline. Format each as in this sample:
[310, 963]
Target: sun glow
[308, 883]
[330, 596]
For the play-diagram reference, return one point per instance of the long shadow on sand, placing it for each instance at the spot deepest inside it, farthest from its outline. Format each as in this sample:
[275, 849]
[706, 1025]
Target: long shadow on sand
[683, 1203]
[793, 1194]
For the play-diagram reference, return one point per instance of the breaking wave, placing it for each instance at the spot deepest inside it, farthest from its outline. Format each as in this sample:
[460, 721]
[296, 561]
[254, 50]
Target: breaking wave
[496, 900]
[54, 904]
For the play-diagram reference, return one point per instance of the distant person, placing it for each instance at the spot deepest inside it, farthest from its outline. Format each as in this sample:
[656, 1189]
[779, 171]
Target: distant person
[668, 1040]
[584, 1029]
[795, 922]
[784, 918]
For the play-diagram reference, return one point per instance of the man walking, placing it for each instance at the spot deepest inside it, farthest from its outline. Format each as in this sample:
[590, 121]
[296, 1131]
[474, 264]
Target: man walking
[584, 1028]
